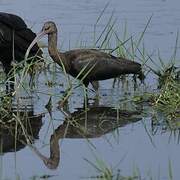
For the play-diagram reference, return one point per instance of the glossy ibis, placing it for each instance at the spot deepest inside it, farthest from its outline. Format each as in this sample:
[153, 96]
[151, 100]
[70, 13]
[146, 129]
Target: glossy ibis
[88, 65]
[15, 37]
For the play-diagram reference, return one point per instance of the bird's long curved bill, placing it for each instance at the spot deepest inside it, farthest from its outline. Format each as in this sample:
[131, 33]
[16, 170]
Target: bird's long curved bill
[36, 39]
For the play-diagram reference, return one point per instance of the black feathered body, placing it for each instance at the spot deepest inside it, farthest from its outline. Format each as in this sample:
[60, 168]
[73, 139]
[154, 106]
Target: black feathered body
[15, 37]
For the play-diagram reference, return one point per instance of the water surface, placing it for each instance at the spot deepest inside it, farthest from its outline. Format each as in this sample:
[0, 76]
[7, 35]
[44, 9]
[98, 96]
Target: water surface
[135, 145]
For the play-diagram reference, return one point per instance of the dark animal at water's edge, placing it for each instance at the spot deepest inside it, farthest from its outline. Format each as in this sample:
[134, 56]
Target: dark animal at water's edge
[15, 37]
[93, 64]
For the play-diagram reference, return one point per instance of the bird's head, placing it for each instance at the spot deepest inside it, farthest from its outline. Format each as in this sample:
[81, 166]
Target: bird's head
[48, 28]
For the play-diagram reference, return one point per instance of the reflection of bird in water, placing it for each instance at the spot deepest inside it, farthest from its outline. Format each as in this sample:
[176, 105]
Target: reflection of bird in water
[93, 123]
[15, 37]
[87, 65]
[18, 127]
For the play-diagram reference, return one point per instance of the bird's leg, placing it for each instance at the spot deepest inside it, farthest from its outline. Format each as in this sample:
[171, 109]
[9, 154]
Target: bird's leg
[141, 76]
[114, 82]
[95, 85]
[135, 82]
[85, 86]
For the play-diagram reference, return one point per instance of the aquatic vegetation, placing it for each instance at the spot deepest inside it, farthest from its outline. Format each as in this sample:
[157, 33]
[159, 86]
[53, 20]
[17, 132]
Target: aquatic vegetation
[169, 70]
[168, 100]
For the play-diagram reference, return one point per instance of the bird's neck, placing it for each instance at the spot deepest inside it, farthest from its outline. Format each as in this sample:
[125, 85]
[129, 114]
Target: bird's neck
[55, 54]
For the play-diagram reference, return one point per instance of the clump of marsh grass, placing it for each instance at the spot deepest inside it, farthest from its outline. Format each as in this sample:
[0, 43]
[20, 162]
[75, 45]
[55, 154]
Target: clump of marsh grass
[168, 100]
[167, 96]
[168, 70]
[169, 73]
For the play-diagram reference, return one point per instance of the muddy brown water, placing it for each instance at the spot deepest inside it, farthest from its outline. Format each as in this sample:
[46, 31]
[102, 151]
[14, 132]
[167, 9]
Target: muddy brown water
[128, 144]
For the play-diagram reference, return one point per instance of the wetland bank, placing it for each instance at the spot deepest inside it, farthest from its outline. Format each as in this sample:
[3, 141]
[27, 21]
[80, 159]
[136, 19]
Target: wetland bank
[131, 131]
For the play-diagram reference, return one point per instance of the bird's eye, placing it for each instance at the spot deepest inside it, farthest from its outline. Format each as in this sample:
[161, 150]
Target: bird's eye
[46, 28]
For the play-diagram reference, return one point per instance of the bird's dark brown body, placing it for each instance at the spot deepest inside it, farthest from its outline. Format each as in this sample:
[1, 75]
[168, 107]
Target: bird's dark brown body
[15, 37]
[91, 64]
[100, 65]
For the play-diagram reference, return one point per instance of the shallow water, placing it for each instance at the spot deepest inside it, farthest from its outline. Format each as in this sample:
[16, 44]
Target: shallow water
[134, 145]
